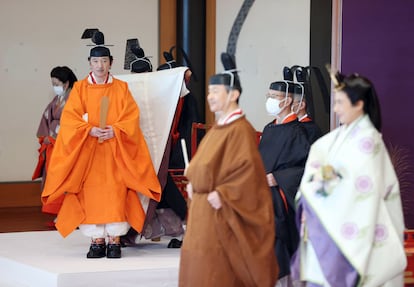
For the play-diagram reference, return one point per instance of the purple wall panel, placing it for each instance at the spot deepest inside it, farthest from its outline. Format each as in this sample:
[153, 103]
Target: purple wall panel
[378, 42]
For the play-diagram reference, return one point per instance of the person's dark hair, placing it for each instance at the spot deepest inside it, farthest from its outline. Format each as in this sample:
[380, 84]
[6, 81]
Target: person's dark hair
[64, 74]
[360, 88]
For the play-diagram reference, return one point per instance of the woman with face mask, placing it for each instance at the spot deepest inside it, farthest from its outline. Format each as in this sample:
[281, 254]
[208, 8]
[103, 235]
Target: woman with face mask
[63, 79]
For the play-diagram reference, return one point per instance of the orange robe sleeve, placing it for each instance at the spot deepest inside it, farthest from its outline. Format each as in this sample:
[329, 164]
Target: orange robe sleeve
[72, 151]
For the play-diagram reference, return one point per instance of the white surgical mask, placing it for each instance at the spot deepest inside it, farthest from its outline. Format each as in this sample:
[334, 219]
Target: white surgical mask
[59, 91]
[273, 106]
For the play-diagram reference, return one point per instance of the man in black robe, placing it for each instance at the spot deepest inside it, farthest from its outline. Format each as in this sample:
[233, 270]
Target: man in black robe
[284, 147]
[300, 107]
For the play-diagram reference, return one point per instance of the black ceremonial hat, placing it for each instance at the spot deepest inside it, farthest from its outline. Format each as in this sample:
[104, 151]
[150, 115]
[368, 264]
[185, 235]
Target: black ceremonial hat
[135, 59]
[229, 77]
[100, 51]
[130, 56]
[141, 65]
[169, 61]
[298, 89]
[282, 86]
[287, 74]
[98, 38]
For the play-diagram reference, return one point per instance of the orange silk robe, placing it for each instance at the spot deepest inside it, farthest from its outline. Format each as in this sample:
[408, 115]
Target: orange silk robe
[100, 180]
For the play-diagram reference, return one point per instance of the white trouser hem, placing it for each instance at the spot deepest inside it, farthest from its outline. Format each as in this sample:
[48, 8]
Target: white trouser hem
[103, 230]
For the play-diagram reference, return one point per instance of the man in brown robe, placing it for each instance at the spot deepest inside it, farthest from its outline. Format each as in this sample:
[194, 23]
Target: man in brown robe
[230, 229]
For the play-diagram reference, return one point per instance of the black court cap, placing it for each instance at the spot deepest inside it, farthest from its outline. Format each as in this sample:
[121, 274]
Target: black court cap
[282, 86]
[100, 51]
[229, 77]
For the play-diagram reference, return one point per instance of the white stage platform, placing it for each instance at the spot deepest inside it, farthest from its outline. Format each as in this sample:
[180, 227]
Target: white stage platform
[45, 259]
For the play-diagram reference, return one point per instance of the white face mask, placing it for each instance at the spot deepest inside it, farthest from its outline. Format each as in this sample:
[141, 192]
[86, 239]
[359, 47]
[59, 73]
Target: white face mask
[273, 106]
[59, 91]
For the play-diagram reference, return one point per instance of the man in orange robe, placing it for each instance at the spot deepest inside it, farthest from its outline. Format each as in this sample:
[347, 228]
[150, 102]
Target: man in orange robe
[101, 170]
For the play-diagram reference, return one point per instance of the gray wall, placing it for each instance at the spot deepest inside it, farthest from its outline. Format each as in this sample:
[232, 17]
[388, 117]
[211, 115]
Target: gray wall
[275, 34]
[36, 36]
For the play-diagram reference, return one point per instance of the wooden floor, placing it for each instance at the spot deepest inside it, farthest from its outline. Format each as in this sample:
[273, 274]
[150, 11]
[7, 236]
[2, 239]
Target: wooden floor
[17, 219]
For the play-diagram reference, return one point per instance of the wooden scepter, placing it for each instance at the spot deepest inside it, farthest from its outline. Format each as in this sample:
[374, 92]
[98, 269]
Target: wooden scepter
[103, 114]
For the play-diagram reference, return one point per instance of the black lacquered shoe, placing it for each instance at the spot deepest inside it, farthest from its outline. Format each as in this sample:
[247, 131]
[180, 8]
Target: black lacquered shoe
[114, 251]
[96, 251]
[129, 238]
[175, 243]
